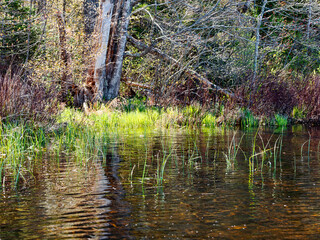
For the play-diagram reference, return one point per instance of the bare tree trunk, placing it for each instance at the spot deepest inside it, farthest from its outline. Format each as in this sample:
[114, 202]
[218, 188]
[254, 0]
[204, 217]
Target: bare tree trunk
[114, 83]
[309, 18]
[115, 17]
[106, 7]
[256, 54]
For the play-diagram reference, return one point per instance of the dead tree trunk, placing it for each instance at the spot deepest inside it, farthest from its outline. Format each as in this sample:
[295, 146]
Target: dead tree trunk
[113, 25]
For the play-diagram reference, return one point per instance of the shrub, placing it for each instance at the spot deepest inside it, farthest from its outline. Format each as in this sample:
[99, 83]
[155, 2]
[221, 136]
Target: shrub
[26, 100]
[308, 94]
[270, 96]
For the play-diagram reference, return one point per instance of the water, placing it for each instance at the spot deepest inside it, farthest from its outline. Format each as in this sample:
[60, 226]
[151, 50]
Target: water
[198, 195]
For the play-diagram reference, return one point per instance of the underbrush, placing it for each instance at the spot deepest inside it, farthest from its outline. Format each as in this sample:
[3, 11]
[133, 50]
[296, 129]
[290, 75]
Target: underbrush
[26, 100]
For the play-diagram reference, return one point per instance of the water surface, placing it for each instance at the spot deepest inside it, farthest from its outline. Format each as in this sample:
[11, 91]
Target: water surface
[175, 185]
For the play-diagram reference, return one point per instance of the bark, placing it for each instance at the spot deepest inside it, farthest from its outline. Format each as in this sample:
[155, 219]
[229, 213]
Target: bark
[309, 19]
[114, 83]
[157, 52]
[114, 18]
[140, 85]
[106, 8]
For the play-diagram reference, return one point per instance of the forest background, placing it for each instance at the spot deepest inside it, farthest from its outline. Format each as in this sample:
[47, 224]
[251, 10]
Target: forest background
[229, 57]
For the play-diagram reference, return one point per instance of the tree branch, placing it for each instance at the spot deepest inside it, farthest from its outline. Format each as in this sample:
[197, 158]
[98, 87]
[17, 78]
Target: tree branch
[157, 52]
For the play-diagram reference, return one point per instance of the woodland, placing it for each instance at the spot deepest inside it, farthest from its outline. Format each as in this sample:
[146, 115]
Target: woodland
[227, 56]
[159, 119]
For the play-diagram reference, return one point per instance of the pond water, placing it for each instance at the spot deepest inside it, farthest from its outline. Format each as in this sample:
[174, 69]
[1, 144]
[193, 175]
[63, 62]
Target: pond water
[176, 184]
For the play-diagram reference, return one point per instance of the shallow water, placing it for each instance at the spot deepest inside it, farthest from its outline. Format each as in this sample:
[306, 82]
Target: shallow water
[198, 195]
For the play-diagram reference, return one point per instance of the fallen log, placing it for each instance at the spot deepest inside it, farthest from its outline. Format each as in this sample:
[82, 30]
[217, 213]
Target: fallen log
[135, 84]
[157, 52]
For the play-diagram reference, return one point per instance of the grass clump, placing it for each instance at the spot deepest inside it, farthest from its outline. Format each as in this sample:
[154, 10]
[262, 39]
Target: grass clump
[298, 113]
[209, 120]
[248, 119]
[20, 145]
[281, 121]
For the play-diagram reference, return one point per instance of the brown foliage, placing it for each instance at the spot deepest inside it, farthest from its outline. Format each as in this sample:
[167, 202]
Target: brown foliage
[189, 91]
[26, 100]
[271, 95]
[308, 94]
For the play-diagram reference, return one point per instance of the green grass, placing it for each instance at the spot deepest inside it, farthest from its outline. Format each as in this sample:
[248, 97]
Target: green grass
[233, 149]
[281, 121]
[299, 113]
[20, 146]
[248, 120]
[86, 136]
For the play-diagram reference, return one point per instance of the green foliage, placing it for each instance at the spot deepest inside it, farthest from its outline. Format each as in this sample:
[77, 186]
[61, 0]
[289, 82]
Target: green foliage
[19, 31]
[248, 120]
[209, 120]
[135, 104]
[298, 113]
[281, 121]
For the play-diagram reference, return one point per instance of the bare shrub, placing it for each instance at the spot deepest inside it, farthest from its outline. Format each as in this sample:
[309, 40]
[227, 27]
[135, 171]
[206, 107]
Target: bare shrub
[26, 100]
[271, 95]
[308, 94]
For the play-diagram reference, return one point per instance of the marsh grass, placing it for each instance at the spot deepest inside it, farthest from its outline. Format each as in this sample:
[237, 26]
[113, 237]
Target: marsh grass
[308, 150]
[248, 120]
[232, 152]
[281, 121]
[20, 146]
[84, 137]
[265, 153]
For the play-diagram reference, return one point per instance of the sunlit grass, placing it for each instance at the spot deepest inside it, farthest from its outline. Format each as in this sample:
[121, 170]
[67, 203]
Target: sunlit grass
[83, 136]
[281, 121]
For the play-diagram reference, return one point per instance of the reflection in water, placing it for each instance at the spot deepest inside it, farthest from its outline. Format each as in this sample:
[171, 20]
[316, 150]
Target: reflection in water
[70, 201]
[75, 202]
[206, 198]
[201, 196]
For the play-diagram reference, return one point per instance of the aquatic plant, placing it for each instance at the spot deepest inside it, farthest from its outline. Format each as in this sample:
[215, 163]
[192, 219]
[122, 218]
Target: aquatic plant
[232, 153]
[209, 120]
[265, 151]
[281, 121]
[302, 146]
[248, 120]
[20, 145]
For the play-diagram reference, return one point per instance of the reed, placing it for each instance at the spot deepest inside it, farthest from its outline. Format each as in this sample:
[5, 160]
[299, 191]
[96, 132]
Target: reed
[266, 151]
[232, 152]
[309, 144]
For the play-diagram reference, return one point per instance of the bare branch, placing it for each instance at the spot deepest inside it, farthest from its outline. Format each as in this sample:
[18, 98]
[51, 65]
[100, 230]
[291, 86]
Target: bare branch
[141, 46]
